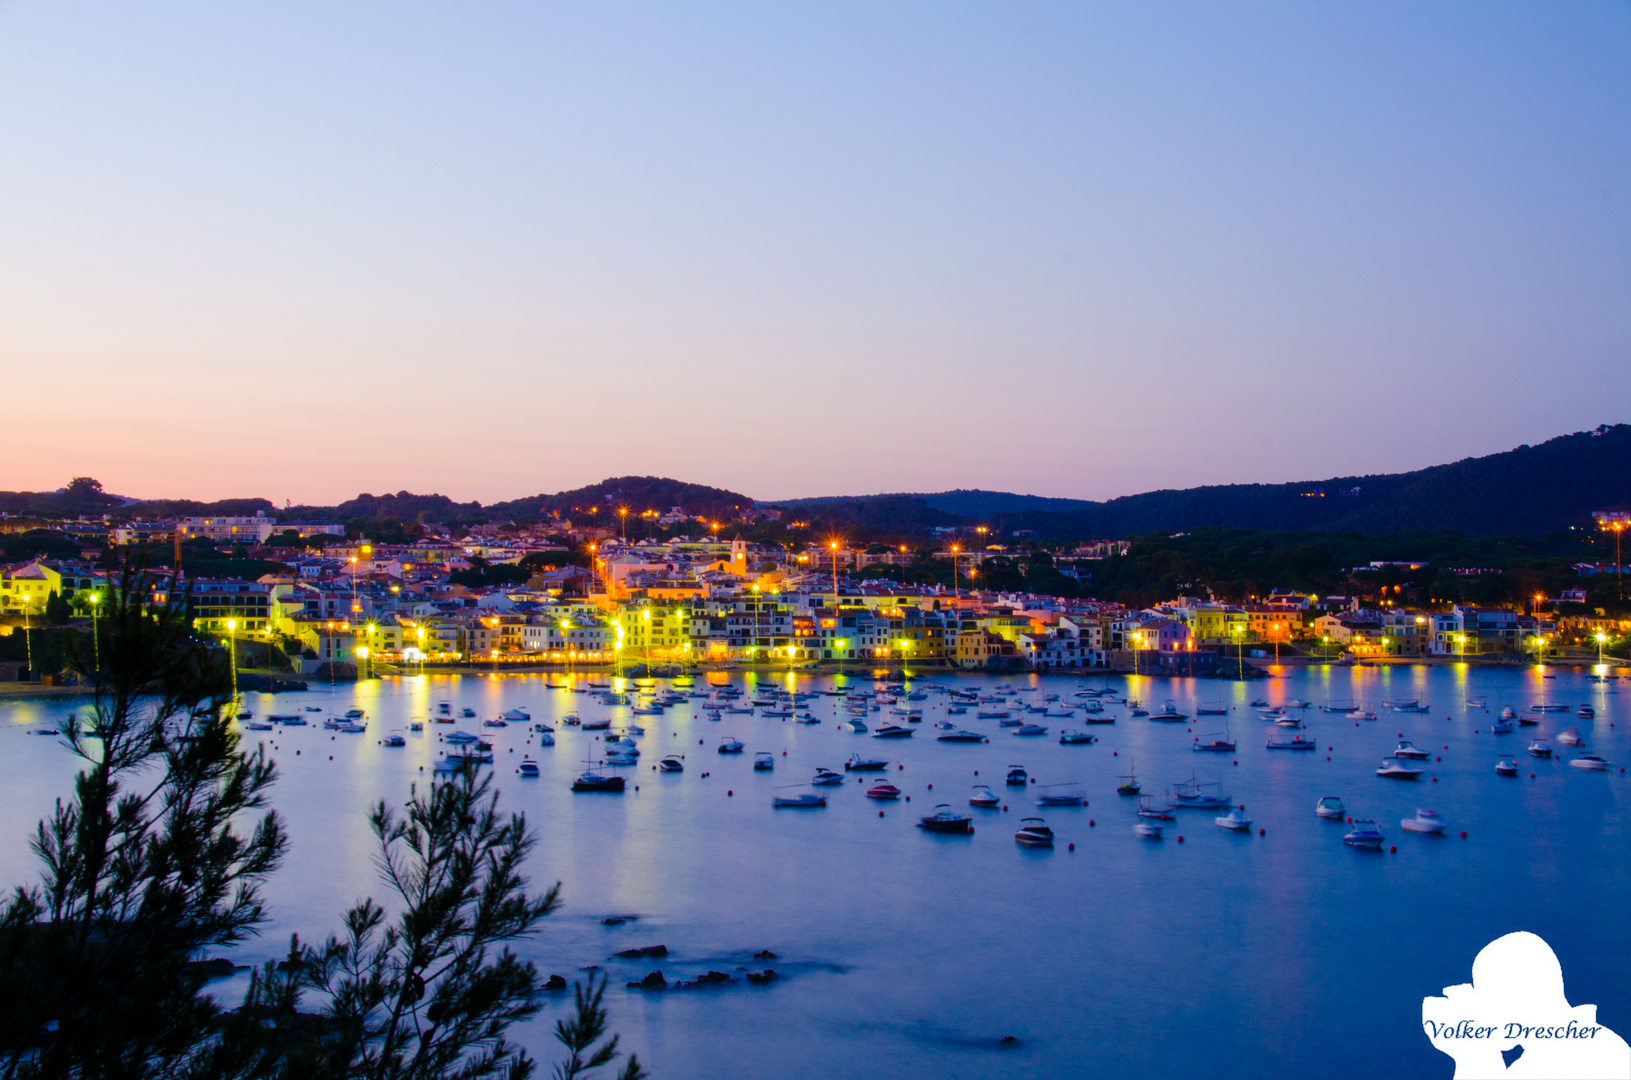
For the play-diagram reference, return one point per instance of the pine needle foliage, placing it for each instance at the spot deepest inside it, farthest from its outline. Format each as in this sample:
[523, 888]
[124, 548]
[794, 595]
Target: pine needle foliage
[158, 855]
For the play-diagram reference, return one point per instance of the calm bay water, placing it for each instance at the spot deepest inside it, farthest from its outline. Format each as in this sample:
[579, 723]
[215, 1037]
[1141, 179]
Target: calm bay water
[908, 954]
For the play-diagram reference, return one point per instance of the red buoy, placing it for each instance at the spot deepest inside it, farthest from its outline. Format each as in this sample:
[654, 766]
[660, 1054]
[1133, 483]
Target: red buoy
[1070, 847]
[1262, 832]
[1463, 834]
[1180, 839]
[1393, 849]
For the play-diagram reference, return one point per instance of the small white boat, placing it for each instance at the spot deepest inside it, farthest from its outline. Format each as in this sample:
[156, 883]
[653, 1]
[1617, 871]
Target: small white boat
[1506, 766]
[1502, 727]
[1364, 714]
[1331, 807]
[1586, 712]
[1149, 830]
[983, 796]
[1365, 835]
[460, 738]
[521, 715]
[1169, 714]
[1509, 713]
[763, 761]
[857, 726]
[1410, 750]
[1235, 819]
[1570, 737]
[1296, 703]
[1425, 821]
[671, 763]
[257, 725]
[827, 778]
[528, 767]
[1030, 731]
[728, 745]
[1069, 737]
[892, 731]
[1540, 748]
[546, 739]
[1393, 770]
[1593, 762]
[395, 740]
[495, 723]
[354, 714]
[417, 725]
[804, 800]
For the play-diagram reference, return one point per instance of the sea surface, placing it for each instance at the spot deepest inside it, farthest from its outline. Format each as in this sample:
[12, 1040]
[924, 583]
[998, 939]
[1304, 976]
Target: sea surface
[906, 954]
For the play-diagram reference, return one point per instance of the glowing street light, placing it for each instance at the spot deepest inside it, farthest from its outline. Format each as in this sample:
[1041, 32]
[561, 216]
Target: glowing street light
[232, 655]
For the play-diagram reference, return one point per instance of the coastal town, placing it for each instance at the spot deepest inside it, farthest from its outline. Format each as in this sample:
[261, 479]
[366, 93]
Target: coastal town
[694, 592]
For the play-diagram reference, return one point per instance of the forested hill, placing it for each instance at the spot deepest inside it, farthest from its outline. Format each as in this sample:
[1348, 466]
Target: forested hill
[1527, 491]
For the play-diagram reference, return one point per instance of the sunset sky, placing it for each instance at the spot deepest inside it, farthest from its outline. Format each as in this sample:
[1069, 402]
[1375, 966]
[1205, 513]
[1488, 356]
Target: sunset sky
[302, 250]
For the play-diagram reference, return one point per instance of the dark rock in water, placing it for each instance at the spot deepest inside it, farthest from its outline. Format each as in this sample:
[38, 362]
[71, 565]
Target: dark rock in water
[218, 967]
[767, 976]
[653, 951]
[713, 978]
[765, 954]
[1008, 1041]
[654, 981]
[613, 921]
[555, 982]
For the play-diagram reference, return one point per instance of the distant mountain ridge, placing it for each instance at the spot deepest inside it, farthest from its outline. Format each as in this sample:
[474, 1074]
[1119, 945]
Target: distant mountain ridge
[1525, 491]
[965, 502]
[1530, 490]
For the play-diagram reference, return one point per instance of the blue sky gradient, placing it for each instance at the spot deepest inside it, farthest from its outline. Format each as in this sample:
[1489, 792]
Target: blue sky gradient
[302, 250]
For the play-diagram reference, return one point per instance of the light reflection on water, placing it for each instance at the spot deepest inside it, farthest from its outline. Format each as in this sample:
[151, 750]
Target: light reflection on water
[1229, 955]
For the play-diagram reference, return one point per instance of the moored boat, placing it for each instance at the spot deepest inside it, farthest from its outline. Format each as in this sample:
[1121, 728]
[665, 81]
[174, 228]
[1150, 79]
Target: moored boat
[1034, 832]
[1425, 821]
[1330, 807]
[946, 820]
[1365, 834]
[1393, 770]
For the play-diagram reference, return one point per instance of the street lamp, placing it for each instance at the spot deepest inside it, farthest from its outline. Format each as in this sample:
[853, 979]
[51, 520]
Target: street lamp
[832, 546]
[232, 655]
[96, 644]
[1617, 527]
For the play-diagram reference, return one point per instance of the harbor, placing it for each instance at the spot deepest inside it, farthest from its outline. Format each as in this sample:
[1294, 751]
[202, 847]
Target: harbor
[926, 947]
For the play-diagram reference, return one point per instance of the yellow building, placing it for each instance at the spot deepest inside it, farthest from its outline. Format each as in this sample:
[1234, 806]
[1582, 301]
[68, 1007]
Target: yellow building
[664, 630]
